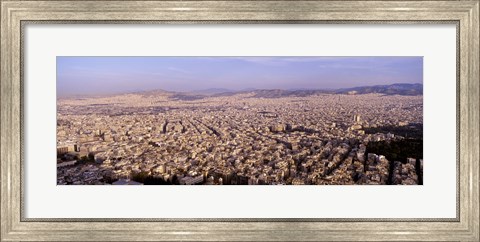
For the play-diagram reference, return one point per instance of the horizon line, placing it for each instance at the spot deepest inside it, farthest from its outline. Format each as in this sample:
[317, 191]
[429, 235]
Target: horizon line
[230, 90]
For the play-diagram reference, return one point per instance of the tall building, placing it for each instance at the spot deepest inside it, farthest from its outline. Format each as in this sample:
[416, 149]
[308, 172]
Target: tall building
[356, 118]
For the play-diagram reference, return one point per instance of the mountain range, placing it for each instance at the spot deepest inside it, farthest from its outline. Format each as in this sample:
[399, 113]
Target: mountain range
[404, 89]
[394, 89]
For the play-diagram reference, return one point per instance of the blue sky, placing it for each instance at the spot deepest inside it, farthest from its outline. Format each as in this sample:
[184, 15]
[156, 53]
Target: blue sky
[106, 75]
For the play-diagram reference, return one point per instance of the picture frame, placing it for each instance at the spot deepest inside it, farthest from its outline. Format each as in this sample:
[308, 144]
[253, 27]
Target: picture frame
[16, 14]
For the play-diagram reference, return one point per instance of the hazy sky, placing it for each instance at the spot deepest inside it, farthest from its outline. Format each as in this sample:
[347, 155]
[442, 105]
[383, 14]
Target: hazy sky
[104, 75]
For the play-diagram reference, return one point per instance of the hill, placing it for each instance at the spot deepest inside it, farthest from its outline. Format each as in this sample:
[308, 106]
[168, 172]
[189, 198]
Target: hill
[405, 89]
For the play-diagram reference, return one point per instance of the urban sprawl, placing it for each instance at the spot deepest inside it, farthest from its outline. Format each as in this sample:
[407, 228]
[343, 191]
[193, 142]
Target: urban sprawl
[158, 137]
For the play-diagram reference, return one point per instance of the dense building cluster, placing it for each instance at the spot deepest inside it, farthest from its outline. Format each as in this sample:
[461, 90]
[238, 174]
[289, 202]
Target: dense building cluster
[233, 139]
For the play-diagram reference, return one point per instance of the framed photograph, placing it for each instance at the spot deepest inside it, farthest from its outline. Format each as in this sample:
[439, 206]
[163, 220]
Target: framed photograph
[240, 120]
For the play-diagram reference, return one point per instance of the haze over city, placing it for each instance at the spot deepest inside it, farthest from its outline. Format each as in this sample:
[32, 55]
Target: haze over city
[113, 75]
[239, 121]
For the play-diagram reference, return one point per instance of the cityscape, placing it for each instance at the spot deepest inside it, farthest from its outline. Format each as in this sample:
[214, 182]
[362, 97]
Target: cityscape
[294, 121]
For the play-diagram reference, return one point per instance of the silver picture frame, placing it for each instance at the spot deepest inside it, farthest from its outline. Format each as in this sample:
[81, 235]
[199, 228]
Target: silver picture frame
[15, 15]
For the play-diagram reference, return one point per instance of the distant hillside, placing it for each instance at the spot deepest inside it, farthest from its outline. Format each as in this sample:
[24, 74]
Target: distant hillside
[394, 89]
[276, 93]
[404, 89]
[157, 92]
